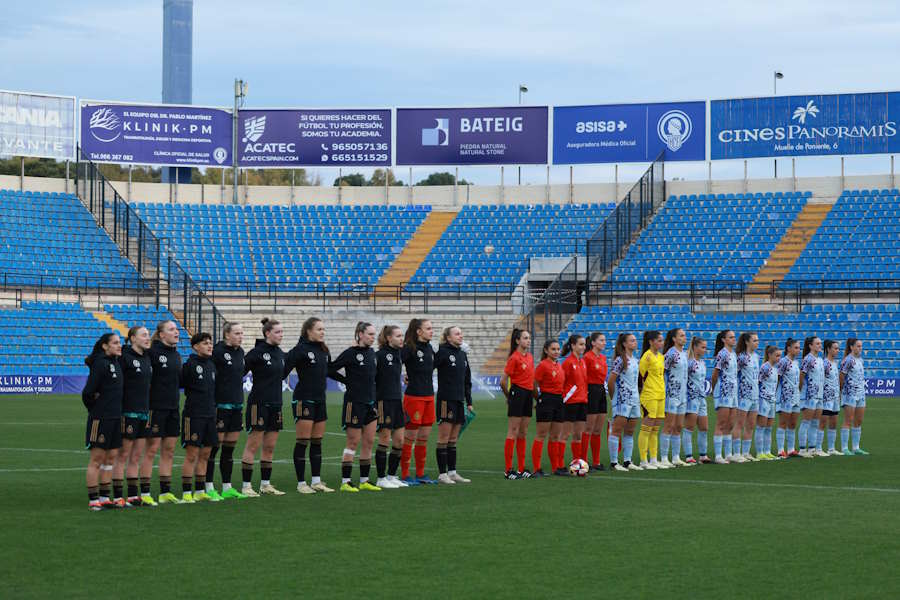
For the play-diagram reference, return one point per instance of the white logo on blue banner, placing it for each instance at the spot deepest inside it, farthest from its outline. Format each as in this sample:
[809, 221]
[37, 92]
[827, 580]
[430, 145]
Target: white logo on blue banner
[438, 135]
[37, 125]
[104, 125]
[254, 127]
[832, 124]
[155, 134]
[614, 133]
[674, 129]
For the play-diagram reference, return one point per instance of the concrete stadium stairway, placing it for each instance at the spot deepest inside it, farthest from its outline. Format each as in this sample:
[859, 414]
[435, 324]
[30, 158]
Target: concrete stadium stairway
[416, 250]
[791, 246]
[114, 324]
[480, 331]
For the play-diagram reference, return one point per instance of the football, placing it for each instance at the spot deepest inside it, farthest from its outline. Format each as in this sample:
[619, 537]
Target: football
[578, 468]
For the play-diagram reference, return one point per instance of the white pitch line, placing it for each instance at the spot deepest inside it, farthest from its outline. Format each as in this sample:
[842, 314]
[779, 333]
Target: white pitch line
[802, 486]
[21, 423]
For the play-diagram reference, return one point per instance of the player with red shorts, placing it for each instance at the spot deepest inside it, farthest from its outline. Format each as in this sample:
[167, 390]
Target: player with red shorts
[418, 400]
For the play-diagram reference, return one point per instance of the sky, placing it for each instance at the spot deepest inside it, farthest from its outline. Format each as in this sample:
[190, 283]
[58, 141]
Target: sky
[374, 54]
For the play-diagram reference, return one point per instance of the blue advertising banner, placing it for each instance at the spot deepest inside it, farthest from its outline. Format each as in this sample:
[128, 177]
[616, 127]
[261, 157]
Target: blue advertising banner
[615, 133]
[314, 137]
[805, 125]
[472, 136]
[37, 125]
[156, 134]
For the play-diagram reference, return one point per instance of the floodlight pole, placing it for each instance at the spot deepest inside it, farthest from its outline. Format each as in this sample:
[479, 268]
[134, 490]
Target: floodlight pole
[240, 92]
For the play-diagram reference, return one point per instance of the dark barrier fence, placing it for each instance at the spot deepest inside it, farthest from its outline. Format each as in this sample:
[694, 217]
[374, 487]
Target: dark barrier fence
[150, 254]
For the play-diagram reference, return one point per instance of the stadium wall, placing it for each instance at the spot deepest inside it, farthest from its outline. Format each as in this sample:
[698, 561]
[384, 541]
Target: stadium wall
[448, 196]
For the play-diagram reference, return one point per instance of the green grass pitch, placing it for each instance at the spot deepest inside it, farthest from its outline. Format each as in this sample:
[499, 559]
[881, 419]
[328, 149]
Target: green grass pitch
[821, 528]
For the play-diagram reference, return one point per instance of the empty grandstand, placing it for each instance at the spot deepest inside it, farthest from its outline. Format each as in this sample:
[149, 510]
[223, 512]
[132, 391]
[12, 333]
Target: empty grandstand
[708, 237]
[875, 324]
[50, 239]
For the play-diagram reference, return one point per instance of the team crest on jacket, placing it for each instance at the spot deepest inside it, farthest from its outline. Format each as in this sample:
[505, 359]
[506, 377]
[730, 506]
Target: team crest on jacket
[163, 360]
[101, 438]
[360, 357]
[420, 354]
[199, 370]
[136, 364]
[452, 361]
[194, 437]
[389, 358]
[227, 356]
[355, 420]
[129, 429]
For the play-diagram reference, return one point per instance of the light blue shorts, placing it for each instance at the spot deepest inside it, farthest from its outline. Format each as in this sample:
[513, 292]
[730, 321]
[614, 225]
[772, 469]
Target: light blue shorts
[629, 411]
[747, 404]
[812, 404]
[765, 409]
[853, 402]
[832, 405]
[787, 407]
[675, 409]
[727, 402]
[697, 407]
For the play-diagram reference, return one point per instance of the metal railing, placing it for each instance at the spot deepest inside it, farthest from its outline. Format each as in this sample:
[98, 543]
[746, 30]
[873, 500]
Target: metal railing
[421, 298]
[611, 239]
[150, 254]
[563, 298]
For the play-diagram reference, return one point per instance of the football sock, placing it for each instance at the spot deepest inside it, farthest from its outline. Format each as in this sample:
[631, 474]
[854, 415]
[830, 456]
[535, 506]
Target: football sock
[315, 457]
[791, 439]
[265, 470]
[702, 442]
[717, 445]
[537, 448]
[186, 482]
[745, 446]
[820, 437]
[145, 486]
[211, 464]
[596, 443]
[132, 487]
[246, 473]
[421, 452]
[451, 457]
[381, 460]
[686, 440]
[664, 442]
[613, 442]
[585, 445]
[117, 485]
[520, 454]
[365, 466]
[643, 442]
[441, 452]
[300, 458]
[627, 448]
[394, 460]
[576, 449]
[508, 448]
[226, 461]
[676, 446]
[654, 443]
[165, 484]
[779, 439]
[832, 435]
[855, 435]
[802, 434]
[845, 437]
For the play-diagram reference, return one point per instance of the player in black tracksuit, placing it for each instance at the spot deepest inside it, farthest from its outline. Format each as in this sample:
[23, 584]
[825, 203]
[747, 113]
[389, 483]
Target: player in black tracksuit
[102, 396]
[263, 419]
[198, 427]
[137, 372]
[418, 400]
[389, 399]
[454, 398]
[228, 357]
[165, 395]
[310, 358]
[359, 415]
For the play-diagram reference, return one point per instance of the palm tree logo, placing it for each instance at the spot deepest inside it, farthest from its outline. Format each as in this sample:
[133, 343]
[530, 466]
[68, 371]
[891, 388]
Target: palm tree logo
[801, 112]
